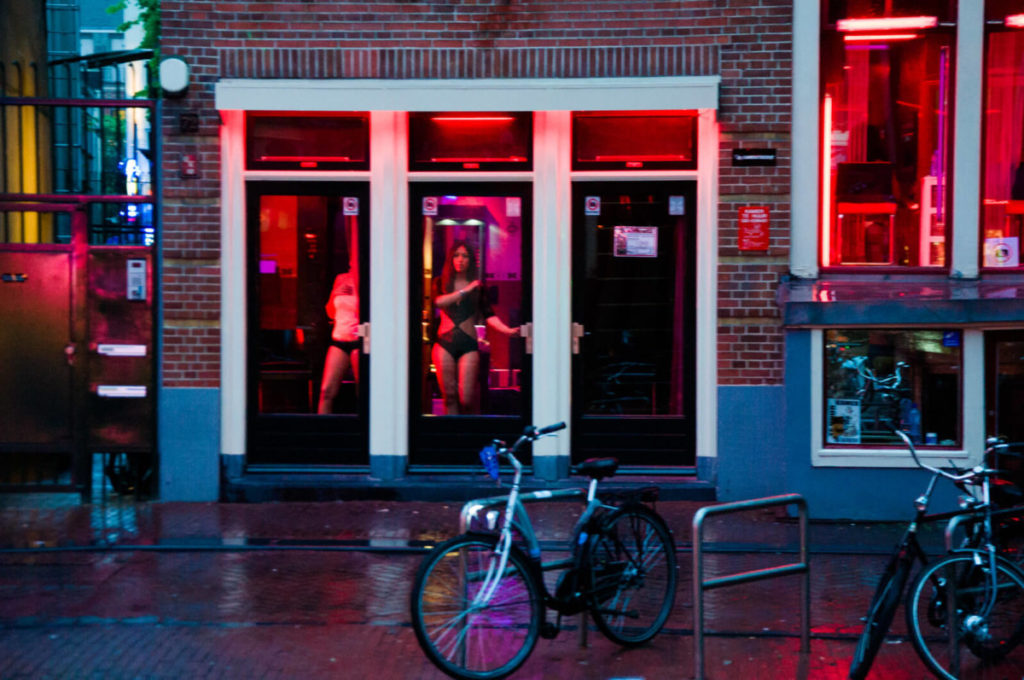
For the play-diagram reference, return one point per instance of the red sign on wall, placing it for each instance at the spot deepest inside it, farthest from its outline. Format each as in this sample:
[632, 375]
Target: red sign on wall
[754, 232]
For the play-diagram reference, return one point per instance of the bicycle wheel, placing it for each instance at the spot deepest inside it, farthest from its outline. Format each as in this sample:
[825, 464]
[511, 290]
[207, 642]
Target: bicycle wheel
[880, 613]
[462, 630]
[982, 641]
[630, 567]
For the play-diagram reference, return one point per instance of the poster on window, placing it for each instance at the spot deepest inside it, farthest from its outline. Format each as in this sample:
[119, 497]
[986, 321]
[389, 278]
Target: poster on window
[636, 242]
[843, 421]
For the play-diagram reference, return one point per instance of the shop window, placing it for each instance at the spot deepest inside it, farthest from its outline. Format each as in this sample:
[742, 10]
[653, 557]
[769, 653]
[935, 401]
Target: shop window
[473, 303]
[307, 142]
[470, 141]
[612, 140]
[308, 344]
[1003, 166]
[887, 93]
[924, 401]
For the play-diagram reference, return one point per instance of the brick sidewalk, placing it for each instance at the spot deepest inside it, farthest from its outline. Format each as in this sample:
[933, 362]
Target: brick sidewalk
[155, 608]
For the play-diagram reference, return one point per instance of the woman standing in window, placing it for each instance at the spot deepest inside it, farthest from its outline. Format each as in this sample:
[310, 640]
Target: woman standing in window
[461, 301]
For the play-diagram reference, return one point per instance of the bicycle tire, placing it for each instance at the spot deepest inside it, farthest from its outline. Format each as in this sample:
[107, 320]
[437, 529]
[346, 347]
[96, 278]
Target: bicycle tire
[630, 567]
[880, 613]
[482, 642]
[982, 646]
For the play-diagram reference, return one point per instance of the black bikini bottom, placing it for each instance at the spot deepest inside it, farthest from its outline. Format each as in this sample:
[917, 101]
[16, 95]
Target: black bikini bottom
[346, 346]
[457, 342]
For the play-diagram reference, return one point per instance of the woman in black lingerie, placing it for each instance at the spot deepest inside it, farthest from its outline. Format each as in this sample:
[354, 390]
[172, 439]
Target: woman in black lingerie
[343, 352]
[462, 302]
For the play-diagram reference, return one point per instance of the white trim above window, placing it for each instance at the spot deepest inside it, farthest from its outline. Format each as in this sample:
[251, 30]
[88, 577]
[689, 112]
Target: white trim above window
[542, 94]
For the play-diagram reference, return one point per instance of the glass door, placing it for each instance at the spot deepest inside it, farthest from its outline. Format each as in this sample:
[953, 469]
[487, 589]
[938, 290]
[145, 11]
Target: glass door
[469, 359]
[1004, 384]
[309, 305]
[633, 322]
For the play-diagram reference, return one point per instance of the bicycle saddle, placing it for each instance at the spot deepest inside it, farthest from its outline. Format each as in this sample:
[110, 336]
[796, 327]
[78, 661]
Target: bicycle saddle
[597, 468]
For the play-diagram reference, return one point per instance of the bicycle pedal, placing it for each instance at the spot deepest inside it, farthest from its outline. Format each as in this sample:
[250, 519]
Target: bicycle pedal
[548, 630]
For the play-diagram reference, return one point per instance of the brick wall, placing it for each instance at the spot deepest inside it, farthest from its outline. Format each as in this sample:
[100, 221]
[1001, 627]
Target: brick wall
[746, 42]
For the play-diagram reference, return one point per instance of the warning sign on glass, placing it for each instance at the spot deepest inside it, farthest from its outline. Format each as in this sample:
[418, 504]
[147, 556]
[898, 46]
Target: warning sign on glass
[636, 242]
[753, 229]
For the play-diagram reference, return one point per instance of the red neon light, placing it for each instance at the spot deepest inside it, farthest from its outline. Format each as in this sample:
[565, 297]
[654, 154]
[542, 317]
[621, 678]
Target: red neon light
[878, 37]
[1014, 21]
[465, 119]
[886, 24]
[477, 159]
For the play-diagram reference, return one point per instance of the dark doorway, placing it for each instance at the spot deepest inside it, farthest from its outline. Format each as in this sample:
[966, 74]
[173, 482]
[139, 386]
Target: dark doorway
[633, 305]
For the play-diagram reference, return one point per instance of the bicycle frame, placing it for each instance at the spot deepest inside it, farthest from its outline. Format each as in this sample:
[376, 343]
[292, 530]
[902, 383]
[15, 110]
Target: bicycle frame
[517, 518]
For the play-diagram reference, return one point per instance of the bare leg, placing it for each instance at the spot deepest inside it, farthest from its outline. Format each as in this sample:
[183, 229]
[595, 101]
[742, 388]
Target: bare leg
[469, 372]
[335, 366]
[446, 379]
[354, 363]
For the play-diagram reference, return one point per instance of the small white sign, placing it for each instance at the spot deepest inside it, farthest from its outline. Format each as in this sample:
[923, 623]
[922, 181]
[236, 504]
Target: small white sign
[1002, 252]
[513, 206]
[350, 205]
[843, 425]
[121, 391]
[592, 205]
[430, 205]
[635, 242]
[676, 205]
[122, 350]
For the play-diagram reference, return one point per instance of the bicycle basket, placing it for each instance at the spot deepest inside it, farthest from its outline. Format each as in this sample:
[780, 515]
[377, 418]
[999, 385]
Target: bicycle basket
[1008, 487]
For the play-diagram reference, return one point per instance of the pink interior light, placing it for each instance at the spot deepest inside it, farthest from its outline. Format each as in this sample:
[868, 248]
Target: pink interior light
[1014, 21]
[886, 24]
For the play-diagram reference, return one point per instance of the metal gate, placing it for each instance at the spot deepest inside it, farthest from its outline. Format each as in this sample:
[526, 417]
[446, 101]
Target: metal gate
[76, 360]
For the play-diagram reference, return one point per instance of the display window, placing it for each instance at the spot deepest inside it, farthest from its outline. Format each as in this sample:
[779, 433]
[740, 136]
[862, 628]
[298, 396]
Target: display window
[472, 305]
[308, 353]
[886, 113]
[470, 141]
[310, 141]
[634, 140]
[1002, 215]
[877, 380]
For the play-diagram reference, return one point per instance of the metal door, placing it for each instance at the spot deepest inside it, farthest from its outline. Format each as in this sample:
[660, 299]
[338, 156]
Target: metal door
[633, 322]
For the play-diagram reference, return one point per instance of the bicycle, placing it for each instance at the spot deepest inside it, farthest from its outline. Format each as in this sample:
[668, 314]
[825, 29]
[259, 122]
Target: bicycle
[981, 578]
[479, 601]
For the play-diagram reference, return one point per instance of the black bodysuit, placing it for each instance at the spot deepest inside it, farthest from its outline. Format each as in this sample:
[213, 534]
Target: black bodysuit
[470, 306]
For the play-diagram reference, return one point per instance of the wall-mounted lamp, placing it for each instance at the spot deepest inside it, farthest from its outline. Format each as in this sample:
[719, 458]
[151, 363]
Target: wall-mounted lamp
[174, 73]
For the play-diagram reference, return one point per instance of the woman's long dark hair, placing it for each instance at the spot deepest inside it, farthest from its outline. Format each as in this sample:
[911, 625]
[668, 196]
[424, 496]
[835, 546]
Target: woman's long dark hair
[448, 272]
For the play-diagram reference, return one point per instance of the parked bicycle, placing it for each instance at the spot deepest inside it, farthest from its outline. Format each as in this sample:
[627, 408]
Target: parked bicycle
[965, 612]
[479, 601]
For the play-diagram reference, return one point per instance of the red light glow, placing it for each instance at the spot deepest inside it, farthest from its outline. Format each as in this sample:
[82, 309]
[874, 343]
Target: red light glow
[886, 24]
[878, 37]
[1014, 21]
[471, 119]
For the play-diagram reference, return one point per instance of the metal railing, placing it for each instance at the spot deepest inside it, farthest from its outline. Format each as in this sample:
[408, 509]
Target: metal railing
[700, 584]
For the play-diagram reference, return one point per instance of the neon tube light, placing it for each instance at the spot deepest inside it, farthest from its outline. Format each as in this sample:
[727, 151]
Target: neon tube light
[886, 24]
[1014, 21]
[463, 119]
[826, 181]
[878, 37]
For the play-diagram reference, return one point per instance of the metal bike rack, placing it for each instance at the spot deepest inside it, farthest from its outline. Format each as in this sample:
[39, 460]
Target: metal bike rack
[700, 585]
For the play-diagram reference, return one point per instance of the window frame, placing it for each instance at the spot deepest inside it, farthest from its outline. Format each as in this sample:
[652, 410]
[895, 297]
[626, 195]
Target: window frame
[972, 392]
[827, 229]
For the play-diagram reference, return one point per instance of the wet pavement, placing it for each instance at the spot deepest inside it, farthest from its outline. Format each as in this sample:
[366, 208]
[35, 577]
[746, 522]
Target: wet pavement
[117, 589]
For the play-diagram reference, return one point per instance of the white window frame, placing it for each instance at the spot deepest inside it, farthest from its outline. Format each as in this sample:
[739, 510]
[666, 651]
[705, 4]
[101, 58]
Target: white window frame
[551, 100]
[805, 252]
[972, 414]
